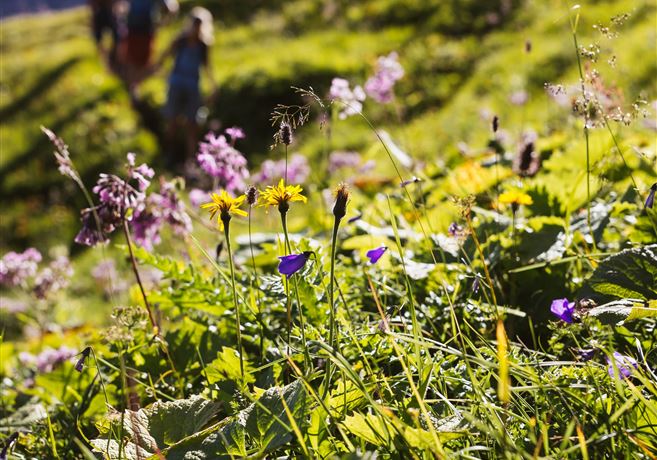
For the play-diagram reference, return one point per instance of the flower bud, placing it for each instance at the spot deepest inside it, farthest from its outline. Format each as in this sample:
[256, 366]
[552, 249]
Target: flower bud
[341, 199]
[285, 133]
[252, 195]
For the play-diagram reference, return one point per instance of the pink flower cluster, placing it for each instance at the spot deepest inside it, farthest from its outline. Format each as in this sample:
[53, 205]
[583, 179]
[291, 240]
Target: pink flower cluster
[380, 85]
[221, 160]
[48, 360]
[352, 99]
[16, 268]
[53, 278]
[271, 171]
[157, 210]
[340, 159]
[116, 196]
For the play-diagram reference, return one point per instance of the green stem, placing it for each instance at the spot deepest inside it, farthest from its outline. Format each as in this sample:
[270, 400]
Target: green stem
[232, 282]
[255, 278]
[286, 163]
[133, 261]
[302, 325]
[332, 332]
[586, 137]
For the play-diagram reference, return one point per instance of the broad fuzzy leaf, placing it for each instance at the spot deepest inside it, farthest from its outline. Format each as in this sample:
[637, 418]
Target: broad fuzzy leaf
[630, 274]
[623, 310]
[160, 425]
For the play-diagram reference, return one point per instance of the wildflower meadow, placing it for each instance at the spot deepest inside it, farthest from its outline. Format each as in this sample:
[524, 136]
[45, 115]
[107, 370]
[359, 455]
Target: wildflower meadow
[408, 230]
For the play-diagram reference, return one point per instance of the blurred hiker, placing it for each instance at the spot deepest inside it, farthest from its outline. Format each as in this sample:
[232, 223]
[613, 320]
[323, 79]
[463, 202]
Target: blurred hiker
[103, 21]
[191, 52]
[138, 42]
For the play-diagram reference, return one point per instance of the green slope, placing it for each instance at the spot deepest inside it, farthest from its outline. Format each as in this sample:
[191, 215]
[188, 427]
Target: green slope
[459, 63]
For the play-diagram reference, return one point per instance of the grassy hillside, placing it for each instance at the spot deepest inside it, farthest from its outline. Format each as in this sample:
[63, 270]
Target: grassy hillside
[53, 77]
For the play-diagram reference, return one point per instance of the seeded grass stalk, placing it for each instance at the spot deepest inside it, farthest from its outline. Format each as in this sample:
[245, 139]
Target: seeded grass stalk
[226, 222]
[468, 219]
[573, 26]
[409, 376]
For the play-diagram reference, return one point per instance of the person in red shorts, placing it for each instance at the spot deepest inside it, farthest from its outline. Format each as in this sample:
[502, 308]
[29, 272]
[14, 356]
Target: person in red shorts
[138, 42]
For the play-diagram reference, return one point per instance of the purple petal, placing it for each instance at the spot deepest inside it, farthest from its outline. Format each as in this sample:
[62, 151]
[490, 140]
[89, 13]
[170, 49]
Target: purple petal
[291, 264]
[375, 254]
[563, 309]
[650, 201]
[625, 365]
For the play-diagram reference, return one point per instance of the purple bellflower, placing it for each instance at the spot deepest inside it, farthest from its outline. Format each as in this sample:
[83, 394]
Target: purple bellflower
[291, 264]
[375, 254]
[650, 201]
[624, 364]
[563, 309]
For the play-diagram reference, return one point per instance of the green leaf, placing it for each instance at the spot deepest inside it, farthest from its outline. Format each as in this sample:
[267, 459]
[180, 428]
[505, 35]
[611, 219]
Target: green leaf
[371, 428]
[221, 441]
[267, 421]
[128, 451]
[619, 311]
[159, 425]
[630, 274]
[170, 422]
[227, 367]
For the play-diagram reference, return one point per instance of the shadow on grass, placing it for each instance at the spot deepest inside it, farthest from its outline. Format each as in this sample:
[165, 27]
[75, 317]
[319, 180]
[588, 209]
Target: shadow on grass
[40, 87]
[40, 149]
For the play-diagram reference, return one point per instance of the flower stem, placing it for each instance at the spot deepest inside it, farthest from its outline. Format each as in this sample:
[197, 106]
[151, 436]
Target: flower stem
[255, 279]
[151, 318]
[286, 163]
[232, 282]
[302, 325]
[332, 333]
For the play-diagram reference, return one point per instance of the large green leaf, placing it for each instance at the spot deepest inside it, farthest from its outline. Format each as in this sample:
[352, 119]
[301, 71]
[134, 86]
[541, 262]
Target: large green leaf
[622, 310]
[221, 441]
[630, 274]
[265, 421]
[160, 425]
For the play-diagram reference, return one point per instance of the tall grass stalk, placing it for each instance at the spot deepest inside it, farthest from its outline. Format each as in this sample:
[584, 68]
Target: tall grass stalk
[573, 25]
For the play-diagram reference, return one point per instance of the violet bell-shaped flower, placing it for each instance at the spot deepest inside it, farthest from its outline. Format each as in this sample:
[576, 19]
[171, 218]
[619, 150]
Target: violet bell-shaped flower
[291, 264]
[375, 254]
[563, 309]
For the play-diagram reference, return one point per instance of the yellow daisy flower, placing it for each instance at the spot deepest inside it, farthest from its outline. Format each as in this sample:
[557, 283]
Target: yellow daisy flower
[281, 195]
[225, 205]
[515, 198]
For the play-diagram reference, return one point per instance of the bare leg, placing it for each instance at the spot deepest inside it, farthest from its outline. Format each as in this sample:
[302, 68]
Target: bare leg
[170, 137]
[192, 139]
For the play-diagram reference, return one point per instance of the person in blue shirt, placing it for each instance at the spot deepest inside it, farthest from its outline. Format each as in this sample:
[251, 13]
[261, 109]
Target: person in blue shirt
[191, 54]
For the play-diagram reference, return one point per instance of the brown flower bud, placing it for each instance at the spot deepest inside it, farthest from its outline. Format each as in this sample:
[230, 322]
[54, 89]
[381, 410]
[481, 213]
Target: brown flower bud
[285, 133]
[251, 195]
[341, 199]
